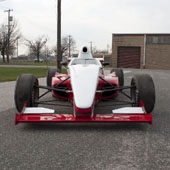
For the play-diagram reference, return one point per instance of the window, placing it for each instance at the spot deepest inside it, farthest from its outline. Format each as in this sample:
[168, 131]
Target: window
[158, 39]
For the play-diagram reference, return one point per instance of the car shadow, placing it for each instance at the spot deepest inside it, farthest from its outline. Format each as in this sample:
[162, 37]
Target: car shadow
[85, 127]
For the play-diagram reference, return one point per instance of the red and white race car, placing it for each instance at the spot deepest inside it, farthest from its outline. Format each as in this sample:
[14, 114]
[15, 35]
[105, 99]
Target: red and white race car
[85, 85]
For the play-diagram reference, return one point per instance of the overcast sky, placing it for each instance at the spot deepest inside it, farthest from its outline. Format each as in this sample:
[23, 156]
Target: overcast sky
[88, 20]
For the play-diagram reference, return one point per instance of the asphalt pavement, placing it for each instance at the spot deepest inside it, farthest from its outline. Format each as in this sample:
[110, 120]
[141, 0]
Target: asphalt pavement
[87, 146]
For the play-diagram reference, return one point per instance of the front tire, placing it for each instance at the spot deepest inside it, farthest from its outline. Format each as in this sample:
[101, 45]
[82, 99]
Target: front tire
[26, 90]
[50, 74]
[144, 90]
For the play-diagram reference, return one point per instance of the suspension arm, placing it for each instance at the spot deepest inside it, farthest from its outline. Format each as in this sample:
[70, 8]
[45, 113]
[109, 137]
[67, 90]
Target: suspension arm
[54, 88]
[115, 89]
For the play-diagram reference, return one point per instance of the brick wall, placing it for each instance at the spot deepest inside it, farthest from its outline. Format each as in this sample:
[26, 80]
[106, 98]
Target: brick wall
[157, 56]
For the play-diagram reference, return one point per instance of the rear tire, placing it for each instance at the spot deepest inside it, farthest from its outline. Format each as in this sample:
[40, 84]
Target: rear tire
[144, 91]
[50, 74]
[119, 74]
[26, 90]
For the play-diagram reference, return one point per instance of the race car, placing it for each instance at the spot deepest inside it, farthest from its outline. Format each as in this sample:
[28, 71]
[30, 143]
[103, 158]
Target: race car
[84, 86]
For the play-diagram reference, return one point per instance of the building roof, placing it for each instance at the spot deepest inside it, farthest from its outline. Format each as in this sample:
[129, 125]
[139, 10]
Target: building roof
[141, 34]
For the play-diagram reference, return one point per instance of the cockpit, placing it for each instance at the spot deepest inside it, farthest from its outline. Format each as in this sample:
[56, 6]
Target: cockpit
[85, 58]
[83, 61]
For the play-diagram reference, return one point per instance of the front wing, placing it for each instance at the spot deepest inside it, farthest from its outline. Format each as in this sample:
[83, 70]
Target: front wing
[119, 115]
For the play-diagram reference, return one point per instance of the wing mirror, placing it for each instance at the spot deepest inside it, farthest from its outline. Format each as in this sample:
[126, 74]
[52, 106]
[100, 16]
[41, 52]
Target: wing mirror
[64, 63]
[105, 64]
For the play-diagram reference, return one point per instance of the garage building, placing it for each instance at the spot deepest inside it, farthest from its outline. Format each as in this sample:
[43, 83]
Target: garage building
[150, 51]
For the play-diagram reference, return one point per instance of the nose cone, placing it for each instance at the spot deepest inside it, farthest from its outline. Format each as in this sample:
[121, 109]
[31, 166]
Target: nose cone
[84, 80]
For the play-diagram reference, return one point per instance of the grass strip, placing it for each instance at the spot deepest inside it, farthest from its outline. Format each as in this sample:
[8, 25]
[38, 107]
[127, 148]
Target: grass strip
[51, 63]
[11, 73]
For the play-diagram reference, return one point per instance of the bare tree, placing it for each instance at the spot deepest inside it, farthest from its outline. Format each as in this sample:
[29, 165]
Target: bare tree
[46, 52]
[3, 41]
[12, 37]
[68, 43]
[36, 46]
[67, 46]
[100, 51]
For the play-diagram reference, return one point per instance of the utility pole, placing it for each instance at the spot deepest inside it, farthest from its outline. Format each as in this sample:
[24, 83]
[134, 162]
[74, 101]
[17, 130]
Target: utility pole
[69, 44]
[59, 53]
[46, 52]
[91, 46]
[8, 45]
[108, 48]
[17, 47]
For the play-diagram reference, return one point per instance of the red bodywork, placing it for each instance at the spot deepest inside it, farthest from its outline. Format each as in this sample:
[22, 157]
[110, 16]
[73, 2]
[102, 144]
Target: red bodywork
[63, 118]
[84, 115]
[110, 78]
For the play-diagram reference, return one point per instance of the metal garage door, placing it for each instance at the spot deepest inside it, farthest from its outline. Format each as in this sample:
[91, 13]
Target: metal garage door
[129, 57]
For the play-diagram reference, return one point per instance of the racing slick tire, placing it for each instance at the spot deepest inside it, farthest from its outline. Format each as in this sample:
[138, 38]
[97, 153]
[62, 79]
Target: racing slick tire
[51, 73]
[144, 90]
[26, 90]
[119, 74]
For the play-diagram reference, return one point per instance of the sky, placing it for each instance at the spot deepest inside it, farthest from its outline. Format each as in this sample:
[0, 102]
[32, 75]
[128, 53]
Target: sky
[87, 20]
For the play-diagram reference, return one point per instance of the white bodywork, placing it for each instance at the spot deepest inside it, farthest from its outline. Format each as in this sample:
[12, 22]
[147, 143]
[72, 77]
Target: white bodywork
[84, 72]
[38, 110]
[85, 54]
[129, 110]
[84, 80]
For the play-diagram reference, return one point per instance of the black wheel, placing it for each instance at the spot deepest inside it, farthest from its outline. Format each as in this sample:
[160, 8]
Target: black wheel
[26, 90]
[51, 73]
[119, 74]
[144, 90]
